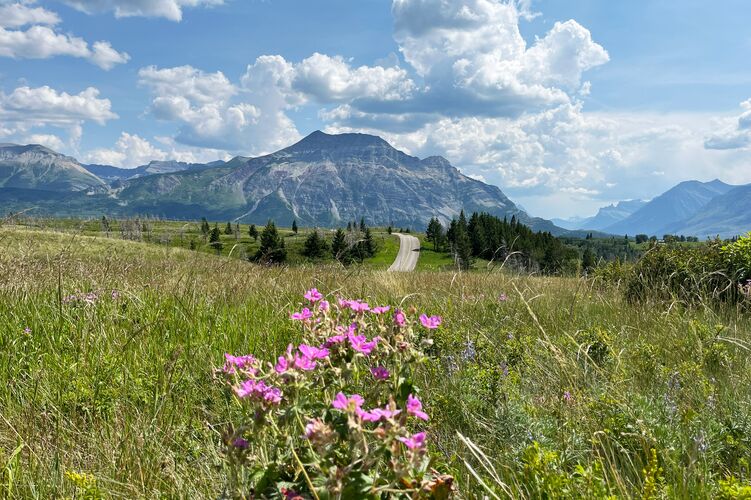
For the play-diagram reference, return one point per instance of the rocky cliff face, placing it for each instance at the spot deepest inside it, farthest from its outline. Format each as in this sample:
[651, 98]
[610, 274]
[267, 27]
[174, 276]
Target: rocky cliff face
[327, 180]
[39, 168]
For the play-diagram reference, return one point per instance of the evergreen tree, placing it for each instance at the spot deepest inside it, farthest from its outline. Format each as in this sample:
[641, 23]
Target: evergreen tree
[368, 244]
[435, 234]
[389, 230]
[462, 244]
[228, 229]
[253, 232]
[339, 246]
[205, 228]
[349, 227]
[315, 246]
[589, 261]
[294, 226]
[272, 249]
[362, 224]
[215, 239]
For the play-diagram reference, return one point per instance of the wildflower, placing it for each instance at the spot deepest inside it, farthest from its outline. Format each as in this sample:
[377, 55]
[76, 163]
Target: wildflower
[502, 297]
[414, 442]
[239, 362]
[380, 373]
[90, 298]
[318, 433]
[357, 306]
[304, 363]
[504, 368]
[377, 414]
[240, 443]
[302, 315]
[323, 305]
[469, 353]
[360, 343]
[414, 408]
[332, 341]
[27, 330]
[380, 309]
[115, 295]
[567, 396]
[282, 365]
[259, 390]
[430, 322]
[344, 403]
[399, 318]
[313, 295]
[313, 352]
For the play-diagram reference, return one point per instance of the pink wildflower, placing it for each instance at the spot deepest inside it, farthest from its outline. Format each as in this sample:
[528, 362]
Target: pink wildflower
[380, 309]
[239, 362]
[414, 408]
[360, 343]
[282, 365]
[430, 322]
[313, 295]
[414, 442]
[377, 414]
[304, 363]
[358, 306]
[344, 403]
[313, 352]
[567, 396]
[380, 373]
[115, 295]
[302, 315]
[323, 305]
[27, 330]
[399, 318]
[258, 389]
[332, 341]
[502, 297]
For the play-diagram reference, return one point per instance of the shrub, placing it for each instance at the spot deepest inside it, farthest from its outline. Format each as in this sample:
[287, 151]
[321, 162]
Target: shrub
[338, 415]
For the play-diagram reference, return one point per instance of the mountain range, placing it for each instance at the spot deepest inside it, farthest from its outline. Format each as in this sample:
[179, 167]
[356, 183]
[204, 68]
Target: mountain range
[691, 208]
[326, 180]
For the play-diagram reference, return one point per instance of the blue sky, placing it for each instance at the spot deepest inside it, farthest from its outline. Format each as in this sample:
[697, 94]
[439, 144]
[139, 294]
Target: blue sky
[566, 105]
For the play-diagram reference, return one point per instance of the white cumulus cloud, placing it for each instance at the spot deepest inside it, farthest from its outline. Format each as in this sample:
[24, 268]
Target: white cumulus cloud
[168, 9]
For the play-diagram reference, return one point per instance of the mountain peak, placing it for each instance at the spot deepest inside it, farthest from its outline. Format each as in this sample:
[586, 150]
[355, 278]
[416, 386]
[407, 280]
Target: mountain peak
[324, 141]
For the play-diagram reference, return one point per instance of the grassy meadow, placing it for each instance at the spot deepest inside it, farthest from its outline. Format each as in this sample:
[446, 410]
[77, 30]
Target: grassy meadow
[563, 390]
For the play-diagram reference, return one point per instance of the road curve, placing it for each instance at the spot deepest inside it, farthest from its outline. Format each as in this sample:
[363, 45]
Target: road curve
[409, 252]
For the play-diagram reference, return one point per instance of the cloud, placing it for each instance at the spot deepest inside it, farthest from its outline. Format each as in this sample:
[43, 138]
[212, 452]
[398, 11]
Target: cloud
[27, 108]
[168, 9]
[15, 15]
[48, 140]
[734, 133]
[132, 151]
[41, 41]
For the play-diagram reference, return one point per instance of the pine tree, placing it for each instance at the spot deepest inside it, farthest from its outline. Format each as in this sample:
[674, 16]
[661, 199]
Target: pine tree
[294, 226]
[253, 232]
[205, 228]
[463, 245]
[339, 246]
[368, 244]
[272, 249]
[589, 261]
[315, 246]
[228, 229]
[389, 230]
[215, 239]
[362, 224]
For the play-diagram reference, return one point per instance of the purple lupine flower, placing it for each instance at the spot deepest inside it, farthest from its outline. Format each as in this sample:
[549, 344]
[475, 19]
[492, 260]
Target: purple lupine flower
[414, 408]
[414, 442]
[302, 315]
[240, 443]
[430, 322]
[380, 373]
[313, 295]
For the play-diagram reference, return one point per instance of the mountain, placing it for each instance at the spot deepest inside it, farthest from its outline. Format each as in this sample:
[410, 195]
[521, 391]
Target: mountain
[670, 208]
[110, 174]
[725, 215]
[323, 180]
[38, 168]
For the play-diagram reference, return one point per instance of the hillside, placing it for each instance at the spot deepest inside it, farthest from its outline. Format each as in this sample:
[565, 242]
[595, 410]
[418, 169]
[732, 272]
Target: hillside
[726, 215]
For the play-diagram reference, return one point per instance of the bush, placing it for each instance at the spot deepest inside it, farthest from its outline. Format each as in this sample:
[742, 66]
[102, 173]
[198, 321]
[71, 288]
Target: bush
[338, 415]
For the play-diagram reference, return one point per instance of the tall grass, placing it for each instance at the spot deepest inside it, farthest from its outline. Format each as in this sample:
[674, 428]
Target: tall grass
[563, 390]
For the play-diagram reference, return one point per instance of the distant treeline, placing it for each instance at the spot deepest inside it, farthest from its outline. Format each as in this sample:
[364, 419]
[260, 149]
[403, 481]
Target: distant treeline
[488, 237]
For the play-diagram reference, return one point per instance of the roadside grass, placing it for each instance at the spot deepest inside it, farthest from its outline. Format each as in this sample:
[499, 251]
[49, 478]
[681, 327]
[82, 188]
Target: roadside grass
[561, 391]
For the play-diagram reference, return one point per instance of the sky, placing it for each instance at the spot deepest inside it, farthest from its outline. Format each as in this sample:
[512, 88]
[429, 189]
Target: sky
[565, 105]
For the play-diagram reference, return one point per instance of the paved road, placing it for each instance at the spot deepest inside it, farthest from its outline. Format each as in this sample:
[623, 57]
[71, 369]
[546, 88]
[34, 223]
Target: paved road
[409, 252]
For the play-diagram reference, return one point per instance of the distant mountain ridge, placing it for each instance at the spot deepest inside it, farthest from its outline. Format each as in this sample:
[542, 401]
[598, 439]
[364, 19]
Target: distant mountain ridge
[605, 217]
[323, 180]
[36, 167]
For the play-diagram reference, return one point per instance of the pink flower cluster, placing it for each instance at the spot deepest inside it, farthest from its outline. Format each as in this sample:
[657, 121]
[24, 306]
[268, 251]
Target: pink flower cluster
[89, 298]
[243, 363]
[354, 405]
[259, 390]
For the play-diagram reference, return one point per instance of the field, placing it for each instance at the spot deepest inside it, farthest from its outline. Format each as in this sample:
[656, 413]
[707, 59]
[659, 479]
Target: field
[562, 390]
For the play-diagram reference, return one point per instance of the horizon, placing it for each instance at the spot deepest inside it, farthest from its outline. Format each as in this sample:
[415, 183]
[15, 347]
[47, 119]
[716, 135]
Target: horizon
[560, 106]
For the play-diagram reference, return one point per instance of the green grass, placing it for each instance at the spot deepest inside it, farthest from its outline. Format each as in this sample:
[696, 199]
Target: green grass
[565, 389]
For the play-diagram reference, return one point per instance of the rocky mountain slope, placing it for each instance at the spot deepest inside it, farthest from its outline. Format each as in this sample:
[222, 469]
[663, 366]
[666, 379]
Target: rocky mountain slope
[726, 215]
[36, 167]
[324, 180]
